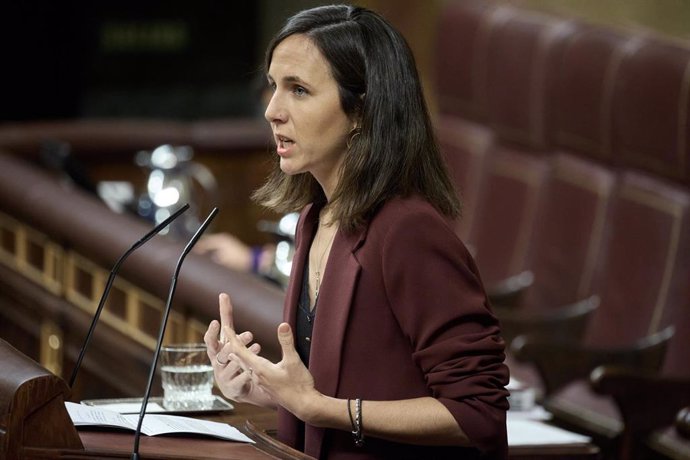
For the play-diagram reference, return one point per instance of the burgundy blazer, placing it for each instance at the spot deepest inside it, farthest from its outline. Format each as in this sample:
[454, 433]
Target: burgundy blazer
[402, 313]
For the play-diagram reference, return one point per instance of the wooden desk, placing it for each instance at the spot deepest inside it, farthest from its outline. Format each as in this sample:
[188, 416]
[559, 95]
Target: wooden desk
[115, 444]
[255, 422]
[544, 452]
[34, 424]
[266, 421]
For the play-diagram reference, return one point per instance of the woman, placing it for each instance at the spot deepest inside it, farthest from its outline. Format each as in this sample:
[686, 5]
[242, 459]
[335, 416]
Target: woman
[390, 349]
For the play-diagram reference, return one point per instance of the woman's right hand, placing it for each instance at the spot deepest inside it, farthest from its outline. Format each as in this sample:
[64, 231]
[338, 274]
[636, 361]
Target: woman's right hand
[234, 382]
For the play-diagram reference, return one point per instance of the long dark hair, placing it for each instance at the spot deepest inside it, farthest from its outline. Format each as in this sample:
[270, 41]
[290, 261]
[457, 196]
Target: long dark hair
[395, 152]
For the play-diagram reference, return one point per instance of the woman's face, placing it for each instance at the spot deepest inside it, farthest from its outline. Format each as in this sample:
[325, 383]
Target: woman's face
[309, 126]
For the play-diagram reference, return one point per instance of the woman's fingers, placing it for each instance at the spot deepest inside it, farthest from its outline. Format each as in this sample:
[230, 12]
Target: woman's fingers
[247, 357]
[211, 340]
[246, 337]
[287, 342]
[255, 348]
[226, 320]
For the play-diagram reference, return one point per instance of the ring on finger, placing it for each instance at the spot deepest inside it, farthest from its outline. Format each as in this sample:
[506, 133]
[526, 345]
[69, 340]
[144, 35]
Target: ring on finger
[221, 362]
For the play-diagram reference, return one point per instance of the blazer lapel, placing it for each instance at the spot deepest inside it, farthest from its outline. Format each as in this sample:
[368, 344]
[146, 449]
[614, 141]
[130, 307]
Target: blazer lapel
[289, 431]
[333, 309]
[305, 234]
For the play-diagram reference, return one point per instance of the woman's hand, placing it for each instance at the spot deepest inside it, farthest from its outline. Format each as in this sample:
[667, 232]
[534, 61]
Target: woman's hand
[234, 382]
[287, 383]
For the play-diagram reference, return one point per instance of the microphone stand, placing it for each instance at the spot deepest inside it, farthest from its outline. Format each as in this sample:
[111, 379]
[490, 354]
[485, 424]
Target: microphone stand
[109, 284]
[164, 322]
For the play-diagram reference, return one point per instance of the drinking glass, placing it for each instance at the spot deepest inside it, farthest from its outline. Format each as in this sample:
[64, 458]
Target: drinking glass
[187, 377]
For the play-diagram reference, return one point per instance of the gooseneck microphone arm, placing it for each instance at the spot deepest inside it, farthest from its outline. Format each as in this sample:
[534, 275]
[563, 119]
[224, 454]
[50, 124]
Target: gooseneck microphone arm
[109, 284]
[164, 322]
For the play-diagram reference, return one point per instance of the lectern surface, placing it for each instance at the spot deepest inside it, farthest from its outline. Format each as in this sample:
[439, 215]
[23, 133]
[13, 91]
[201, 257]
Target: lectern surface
[109, 444]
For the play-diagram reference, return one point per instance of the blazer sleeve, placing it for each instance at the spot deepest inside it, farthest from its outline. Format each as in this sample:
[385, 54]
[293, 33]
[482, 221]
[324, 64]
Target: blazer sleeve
[438, 299]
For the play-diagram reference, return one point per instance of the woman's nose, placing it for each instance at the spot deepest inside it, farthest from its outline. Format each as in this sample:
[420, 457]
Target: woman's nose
[274, 111]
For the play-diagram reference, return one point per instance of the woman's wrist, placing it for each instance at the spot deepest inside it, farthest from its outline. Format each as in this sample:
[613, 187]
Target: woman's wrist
[325, 412]
[257, 398]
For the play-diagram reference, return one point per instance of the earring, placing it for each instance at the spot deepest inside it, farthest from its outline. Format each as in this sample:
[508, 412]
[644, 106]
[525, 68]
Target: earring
[354, 132]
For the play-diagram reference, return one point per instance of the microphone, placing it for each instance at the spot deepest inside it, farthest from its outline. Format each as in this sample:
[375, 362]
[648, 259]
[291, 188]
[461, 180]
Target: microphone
[109, 284]
[164, 322]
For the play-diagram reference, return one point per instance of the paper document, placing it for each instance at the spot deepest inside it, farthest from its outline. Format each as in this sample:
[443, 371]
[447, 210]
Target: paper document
[132, 408]
[522, 432]
[153, 424]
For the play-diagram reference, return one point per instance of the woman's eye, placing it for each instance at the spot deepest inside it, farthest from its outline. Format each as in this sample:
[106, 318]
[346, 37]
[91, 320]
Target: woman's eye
[299, 91]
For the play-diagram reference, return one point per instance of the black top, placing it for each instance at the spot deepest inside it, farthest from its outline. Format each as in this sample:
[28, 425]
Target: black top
[305, 319]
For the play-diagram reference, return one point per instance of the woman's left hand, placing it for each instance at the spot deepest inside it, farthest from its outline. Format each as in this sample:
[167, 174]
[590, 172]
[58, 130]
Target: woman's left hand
[288, 382]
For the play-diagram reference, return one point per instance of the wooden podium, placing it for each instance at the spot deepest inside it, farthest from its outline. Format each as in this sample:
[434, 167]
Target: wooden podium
[34, 424]
[32, 407]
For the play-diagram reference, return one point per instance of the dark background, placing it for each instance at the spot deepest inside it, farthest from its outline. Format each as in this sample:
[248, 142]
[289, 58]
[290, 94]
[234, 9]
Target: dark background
[183, 59]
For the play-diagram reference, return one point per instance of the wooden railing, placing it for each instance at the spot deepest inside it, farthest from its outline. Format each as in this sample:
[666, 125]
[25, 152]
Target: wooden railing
[58, 246]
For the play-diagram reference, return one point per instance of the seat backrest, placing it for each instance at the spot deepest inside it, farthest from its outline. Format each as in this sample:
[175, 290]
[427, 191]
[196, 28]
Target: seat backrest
[647, 263]
[582, 107]
[520, 78]
[511, 194]
[518, 47]
[651, 125]
[460, 55]
[569, 233]
[460, 64]
[646, 266]
[677, 359]
[464, 145]
[572, 226]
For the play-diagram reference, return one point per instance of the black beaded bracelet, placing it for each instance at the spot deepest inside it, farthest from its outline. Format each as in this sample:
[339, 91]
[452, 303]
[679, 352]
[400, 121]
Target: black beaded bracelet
[356, 421]
[359, 435]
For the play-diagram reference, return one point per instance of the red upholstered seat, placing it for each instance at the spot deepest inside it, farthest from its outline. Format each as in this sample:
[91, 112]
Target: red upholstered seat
[647, 264]
[574, 218]
[655, 407]
[670, 443]
[570, 233]
[651, 127]
[460, 55]
[522, 47]
[643, 291]
[459, 52]
[582, 106]
[465, 145]
[503, 226]
[515, 89]
[570, 142]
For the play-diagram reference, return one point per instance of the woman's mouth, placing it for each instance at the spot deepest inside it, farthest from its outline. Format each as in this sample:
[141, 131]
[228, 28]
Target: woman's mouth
[283, 144]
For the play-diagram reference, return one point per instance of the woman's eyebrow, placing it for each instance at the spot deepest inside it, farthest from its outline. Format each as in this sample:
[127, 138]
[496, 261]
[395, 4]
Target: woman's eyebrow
[293, 79]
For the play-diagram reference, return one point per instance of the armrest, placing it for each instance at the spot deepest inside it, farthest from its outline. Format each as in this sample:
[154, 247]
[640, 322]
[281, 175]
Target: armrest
[683, 422]
[567, 322]
[646, 399]
[509, 291]
[561, 362]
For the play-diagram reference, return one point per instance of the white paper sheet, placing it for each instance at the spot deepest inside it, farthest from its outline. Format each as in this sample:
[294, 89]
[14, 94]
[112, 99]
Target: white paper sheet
[523, 432]
[132, 408]
[153, 424]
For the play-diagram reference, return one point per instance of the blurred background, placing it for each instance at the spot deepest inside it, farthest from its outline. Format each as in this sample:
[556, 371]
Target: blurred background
[189, 60]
